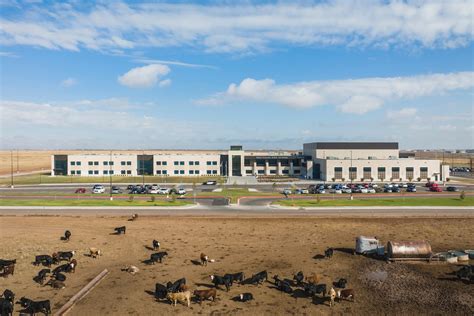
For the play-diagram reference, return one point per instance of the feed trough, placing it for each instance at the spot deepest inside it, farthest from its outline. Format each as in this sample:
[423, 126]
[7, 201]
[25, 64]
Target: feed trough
[461, 255]
[367, 245]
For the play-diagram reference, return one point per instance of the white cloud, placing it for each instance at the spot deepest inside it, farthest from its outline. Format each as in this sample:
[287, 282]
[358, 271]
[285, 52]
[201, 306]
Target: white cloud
[8, 54]
[402, 113]
[241, 27]
[356, 96]
[143, 77]
[69, 82]
[164, 83]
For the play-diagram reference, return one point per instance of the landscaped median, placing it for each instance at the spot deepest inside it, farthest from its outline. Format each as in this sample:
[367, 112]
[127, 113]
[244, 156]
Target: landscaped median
[419, 201]
[233, 194]
[95, 202]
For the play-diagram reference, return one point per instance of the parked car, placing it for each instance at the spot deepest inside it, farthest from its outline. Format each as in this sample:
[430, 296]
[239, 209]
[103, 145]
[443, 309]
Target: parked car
[301, 191]
[115, 190]
[163, 191]
[395, 190]
[371, 190]
[154, 187]
[402, 185]
[210, 182]
[337, 191]
[452, 189]
[80, 190]
[348, 191]
[436, 188]
[411, 189]
[374, 185]
[388, 185]
[429, 184]
[321, 191]
[181, 191]
[388, 190]
[286, 191]
[153, 190]
[130, 187]
[98, 189]
[411, 185]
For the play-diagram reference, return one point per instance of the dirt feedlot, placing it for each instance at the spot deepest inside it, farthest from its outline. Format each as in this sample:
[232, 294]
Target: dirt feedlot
[282, 246]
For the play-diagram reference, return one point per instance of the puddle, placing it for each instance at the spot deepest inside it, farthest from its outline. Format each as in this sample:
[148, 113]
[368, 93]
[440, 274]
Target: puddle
[378, 276]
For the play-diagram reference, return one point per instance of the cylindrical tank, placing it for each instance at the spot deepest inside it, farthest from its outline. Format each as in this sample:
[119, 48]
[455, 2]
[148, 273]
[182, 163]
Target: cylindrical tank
[408, 249]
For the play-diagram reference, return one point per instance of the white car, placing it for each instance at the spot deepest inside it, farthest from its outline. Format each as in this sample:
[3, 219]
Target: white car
[364, 190]
[371, 190]
[98, 189]
[181, 191]
[301, 191]
[348, 191]
[337, 191]
[163, 191]
[374, 185]
[388, 185]
[286, 191]
[153, 191]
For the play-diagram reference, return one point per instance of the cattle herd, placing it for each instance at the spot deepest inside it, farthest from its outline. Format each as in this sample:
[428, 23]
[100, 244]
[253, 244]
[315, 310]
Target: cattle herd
[299, 285]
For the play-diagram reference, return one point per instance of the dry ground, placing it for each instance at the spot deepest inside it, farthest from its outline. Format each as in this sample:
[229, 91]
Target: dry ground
[283, 246]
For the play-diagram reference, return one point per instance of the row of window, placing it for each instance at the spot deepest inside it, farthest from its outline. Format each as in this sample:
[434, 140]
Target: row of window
[273, 162]
[105, 163]
[191, 163]
[380, 172]
[105, 172]
[75, 163]
[272, 171]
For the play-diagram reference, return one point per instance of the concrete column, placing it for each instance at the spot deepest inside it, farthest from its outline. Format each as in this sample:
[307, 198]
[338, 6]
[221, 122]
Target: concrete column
[52, 165]
[292, 169]
[229, 166]
[309, 169]
[279, 168]
[254, 168]
[267, 169]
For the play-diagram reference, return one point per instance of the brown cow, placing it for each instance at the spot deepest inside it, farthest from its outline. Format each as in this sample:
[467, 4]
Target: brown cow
[205, 294]
[313, 279]
[347, 294]
[73, 265]
[204, 259]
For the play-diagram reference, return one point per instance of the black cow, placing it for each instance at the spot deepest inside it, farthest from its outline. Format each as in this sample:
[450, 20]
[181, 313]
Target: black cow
[41, 276]
[120, 230]
[46, 260]
[235, 277]
[466, 272]
[220, 280]
[313, 289]
[5, 263]
[59, 277]
[65, 255]
[158, 257]
[9, 295]
[298, 277]
[156, 244]
[259, 277]
[245, 297]
[160, 291]
[282, 285]
[62, 268]
[341, 283]
[67, 235]
[6, 307]
[174, 287]
[328, 253]
[33, 307]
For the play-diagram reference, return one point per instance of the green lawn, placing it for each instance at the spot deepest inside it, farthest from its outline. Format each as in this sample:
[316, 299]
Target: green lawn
[437, 201]
[72, 202]
[234, 193]
[37, 179]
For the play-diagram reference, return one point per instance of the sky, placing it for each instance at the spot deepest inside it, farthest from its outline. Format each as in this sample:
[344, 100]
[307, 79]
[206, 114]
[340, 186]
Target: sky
[210, 74]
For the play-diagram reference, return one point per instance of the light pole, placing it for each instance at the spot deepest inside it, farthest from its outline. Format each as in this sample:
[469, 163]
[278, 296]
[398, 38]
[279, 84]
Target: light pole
[110, 175]
[350, 176]
[17, 162]
[143, 168]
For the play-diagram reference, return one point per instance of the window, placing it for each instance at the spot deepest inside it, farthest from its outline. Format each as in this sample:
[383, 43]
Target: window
[352, 173]
[176, 163]
[106, 163]
[181, 163]
[106, 171]
[176, 172]
[214, 163]
[73, 172]
[260, 162]
[424, 172]
[272, 162]
[367, 172]
[78, 172]
[91, 172]
[214, 171]
[196, 163]
[297, 171]
[122, 163]
[73, 163]
[247, 163]
[164, 163]
[248, 171]
[90, 163]
[181, 171]
[409, 172]
[165, 172]
[129, 171]
[158, 163]
[78, 163]
[285, 162]
[191, 171]
[111, 172]
[196, 171]
[191, 163]
[96, 171]
[395, 173]
[111, 163]
[273, 172]
[286, 171]
[158, 171]
[381, 173]
[261, 171]
[208, 163]
[96, 163]
[129, 163]
[122, 171]
[338, 172]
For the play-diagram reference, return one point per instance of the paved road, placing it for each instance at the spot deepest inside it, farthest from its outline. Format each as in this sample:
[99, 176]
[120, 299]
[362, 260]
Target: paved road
[245, 211]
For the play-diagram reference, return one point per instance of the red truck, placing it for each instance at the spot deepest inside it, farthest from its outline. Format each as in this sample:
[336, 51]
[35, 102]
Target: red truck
[435, 188]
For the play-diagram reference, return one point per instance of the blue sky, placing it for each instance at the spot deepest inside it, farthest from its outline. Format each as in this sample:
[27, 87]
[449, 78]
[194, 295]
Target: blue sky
[210, 74]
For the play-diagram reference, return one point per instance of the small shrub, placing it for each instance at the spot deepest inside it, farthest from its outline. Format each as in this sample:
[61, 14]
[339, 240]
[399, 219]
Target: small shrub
[447, 179]
[152, 199]
[130, 198]
[419, 179]
[173, 198]
[333, 179]
[318, 199]
[462, 195]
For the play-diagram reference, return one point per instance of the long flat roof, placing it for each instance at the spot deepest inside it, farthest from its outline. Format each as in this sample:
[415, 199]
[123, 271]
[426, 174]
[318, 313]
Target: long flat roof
[354, 145]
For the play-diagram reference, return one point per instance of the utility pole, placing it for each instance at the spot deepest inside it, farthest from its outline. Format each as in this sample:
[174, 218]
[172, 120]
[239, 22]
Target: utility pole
[11, 161]
[350, 176]
[143, 168]
[110, 175]
[17, 162]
